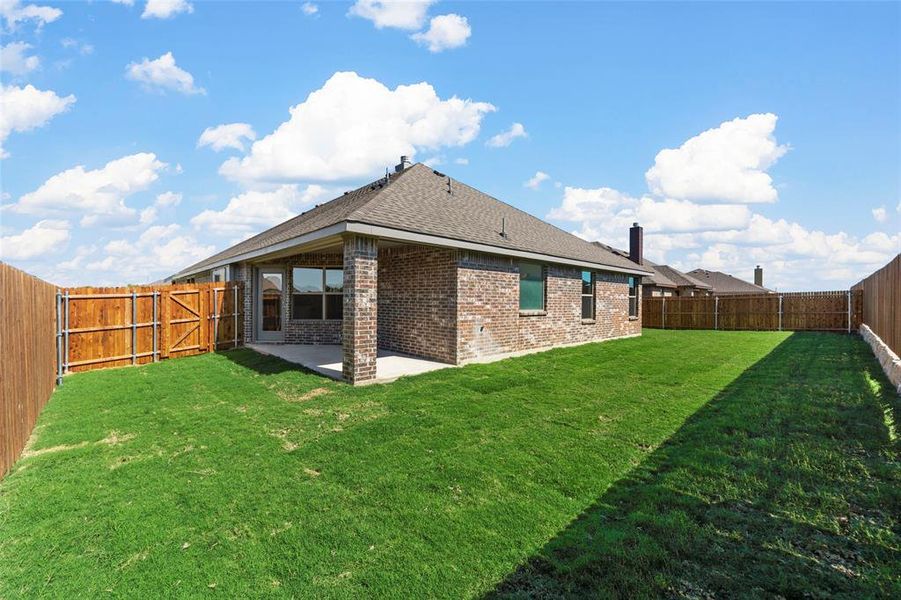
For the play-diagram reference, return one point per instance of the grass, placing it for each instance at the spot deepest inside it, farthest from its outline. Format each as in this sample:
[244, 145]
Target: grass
[681, 464]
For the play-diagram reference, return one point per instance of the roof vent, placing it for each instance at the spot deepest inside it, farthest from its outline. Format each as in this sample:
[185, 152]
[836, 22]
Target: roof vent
[404, 163]
[504, 227]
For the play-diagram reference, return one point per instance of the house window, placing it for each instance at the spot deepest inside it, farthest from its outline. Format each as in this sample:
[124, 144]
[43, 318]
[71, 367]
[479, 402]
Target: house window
[317, 293]
[633, 296]
[587, 295]
[531, 286]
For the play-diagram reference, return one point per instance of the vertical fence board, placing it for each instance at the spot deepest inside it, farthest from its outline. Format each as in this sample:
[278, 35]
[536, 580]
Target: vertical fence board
[881, 303]
[27, 357]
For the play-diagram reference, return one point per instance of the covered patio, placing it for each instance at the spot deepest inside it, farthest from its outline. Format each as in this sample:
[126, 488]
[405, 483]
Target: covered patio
[327, 359]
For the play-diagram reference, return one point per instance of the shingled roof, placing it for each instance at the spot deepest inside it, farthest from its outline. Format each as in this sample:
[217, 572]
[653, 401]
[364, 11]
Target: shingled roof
[680, 278]
[661, 275]
[423, 201]
[723, 283]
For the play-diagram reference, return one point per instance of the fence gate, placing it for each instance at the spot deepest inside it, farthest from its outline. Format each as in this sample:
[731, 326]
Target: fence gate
[184, 331]
[111, 327]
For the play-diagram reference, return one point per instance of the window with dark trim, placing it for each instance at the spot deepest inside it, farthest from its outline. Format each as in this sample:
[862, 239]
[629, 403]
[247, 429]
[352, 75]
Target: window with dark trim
[317, 293]
[633, 296]
[531, 286]
[587, 295]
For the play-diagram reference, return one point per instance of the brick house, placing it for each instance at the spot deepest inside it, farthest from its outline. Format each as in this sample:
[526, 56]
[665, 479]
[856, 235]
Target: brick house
[421, 264]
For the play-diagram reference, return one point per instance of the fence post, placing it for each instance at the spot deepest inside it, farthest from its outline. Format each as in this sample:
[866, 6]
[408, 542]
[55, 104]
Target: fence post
[216, 318]
[849, 311]
[235, 311]
[716, 313]
[164, 324]
[134, 326]
[663, 312]
[66, 354]
[155, 355]
[59, 338]
[780, 312]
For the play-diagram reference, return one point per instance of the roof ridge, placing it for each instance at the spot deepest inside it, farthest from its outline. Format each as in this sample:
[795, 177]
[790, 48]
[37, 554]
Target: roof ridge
[388, 179]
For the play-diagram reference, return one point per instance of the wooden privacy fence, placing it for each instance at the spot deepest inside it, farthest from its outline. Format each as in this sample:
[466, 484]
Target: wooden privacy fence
[882, 303]
[27, 357]
[101, 327]
[794, 311]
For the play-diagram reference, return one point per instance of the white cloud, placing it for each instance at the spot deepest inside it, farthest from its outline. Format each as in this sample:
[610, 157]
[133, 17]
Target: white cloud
[83, 48]
[45, 237]
[724, 164]
[880, 214]
[165, 9]
[159, 251]
[607, 214]
[354, 127]
[461, 161]
[147, 215]
[309, 8]
[167, 199]
[26, 108]
[99, 195]
[445, 32]
[162, 74]
[255, 211]
[535, 181]
[801, 259]
[14, 12]
[402, 14]
[226, 136]
[14, 61]
[124, 2]
[505, 138]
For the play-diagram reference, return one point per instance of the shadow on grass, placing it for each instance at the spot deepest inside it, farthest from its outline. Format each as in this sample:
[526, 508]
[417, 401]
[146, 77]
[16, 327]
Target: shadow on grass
[267, 364]
[786, 484]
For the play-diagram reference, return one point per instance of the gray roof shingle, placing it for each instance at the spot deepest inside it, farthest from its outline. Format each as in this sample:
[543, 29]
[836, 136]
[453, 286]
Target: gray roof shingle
[424, 201]
[723, 283]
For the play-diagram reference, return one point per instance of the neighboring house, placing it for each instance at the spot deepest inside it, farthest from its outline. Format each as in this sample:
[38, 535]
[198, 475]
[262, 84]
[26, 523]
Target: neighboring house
[723, 284]
[422, 264]
[663, 280]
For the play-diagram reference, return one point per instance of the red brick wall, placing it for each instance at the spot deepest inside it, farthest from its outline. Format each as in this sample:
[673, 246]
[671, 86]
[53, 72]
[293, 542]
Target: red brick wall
[417, 296]
[360, 308]
[489, 320]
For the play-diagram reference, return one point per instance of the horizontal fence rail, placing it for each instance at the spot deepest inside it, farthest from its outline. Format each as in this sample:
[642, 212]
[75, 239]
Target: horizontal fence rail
[794, 311]
[882, 303]
[100, 327]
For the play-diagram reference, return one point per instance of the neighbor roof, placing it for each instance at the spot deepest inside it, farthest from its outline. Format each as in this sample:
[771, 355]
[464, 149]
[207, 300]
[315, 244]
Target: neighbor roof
[423, 201]
[662, 275]
[723, 283]
[680, 278]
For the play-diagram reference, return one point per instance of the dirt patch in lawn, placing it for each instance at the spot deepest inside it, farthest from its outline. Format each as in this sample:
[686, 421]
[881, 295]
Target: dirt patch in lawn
[314, 393]
[113, 439]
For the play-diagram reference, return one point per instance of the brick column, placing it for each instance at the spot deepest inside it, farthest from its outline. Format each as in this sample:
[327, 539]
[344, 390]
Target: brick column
[360, 308]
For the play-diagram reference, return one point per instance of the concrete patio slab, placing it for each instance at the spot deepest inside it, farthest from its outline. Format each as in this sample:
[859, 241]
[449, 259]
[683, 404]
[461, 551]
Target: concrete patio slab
[327, 359]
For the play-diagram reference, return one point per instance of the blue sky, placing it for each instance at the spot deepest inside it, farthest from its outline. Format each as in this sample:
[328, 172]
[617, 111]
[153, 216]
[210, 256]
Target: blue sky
[737, 133]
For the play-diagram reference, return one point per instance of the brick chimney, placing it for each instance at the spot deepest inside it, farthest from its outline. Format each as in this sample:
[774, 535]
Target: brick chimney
[636, 243]
[758, 276]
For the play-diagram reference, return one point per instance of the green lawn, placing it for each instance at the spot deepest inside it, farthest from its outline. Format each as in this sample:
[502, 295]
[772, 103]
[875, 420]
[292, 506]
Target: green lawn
[680, 464]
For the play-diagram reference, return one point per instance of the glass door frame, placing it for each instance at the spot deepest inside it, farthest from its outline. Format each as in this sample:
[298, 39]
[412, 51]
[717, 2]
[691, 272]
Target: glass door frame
[268, 336]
